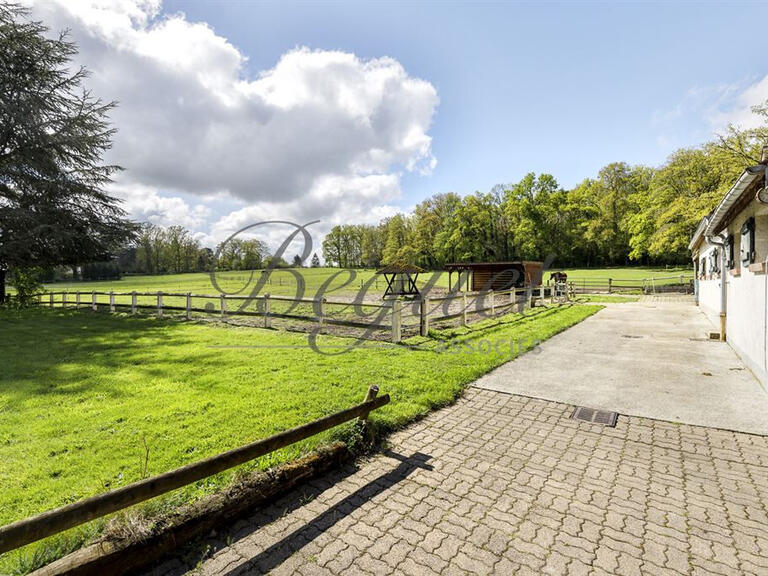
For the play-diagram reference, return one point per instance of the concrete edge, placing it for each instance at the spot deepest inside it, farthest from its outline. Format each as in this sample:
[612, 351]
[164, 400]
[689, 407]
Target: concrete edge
[674, 422]
[126, 556]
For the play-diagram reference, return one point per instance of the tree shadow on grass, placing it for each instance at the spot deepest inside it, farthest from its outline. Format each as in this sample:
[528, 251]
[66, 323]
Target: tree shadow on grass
[46, 352]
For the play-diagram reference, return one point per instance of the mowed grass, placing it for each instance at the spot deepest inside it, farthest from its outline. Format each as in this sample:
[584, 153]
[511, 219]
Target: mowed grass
[88, 401]
[332, 282]
[665, 275]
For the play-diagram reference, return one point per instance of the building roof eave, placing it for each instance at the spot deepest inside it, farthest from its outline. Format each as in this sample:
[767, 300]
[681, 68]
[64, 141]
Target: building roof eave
[747, 178]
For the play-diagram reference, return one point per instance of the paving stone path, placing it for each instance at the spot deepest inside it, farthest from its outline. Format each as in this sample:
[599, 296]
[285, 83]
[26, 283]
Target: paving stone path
[503, 484]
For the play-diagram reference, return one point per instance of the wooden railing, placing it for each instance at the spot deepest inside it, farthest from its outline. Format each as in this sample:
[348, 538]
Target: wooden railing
[681, 283]
[392, 314]
[52, 522]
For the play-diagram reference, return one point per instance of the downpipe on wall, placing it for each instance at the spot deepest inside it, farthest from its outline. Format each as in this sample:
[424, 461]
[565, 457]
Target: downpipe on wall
[765, 318]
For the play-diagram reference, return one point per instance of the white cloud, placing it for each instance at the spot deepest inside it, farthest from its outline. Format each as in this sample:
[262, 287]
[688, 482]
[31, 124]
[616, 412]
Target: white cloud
[321, 135]
[737, 108]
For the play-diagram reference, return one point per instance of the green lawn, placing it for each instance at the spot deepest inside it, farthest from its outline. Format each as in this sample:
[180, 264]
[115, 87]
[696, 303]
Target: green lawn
[341, 284]
[334, 282]
[635, 273]
[604, 298]
[81, 393]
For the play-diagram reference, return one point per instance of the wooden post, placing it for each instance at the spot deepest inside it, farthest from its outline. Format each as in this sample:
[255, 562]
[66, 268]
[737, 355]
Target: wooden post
[64, 299]
[159, 304]
[111, 301]
[77, 300]
[610, 282]
[424, 324]
[464, 309]
[267, 321]
[133, 302]
[529, 296]
[93, 301]
[189, 305]
[50, 298]
[321, 310]
[493, 303]
[396, 321]
[369, 397]
[223, 305]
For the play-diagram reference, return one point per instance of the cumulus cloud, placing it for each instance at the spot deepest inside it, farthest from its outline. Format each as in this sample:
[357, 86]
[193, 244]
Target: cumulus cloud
[322, 133]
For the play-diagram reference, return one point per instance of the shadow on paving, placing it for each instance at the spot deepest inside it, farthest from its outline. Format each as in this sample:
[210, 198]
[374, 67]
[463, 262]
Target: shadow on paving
[283, 549]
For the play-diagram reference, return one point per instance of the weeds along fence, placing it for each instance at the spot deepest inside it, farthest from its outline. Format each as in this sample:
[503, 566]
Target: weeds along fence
[392, 317]
[680, 283]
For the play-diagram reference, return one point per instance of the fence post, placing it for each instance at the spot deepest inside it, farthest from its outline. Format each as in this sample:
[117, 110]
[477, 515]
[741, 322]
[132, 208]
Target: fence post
[424, 325]
[267, 321]
[464, 309]
[371, 395]
[77, 300]
[610, 282]
[528, 296]
[396, 320]
[321, 310]
[93, 301]
[159, 304]
[64, 299]
[223, 305]
[189, 305]
[111, 301]
[50, 298]
[133, 302]
[493, 303]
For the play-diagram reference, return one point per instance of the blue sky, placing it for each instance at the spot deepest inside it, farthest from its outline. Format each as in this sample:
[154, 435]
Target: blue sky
[236, 112]
[559, 87]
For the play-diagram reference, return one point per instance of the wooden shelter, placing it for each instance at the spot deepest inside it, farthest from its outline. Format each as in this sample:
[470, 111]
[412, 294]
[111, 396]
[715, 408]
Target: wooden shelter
[483, 276]
[401, 279]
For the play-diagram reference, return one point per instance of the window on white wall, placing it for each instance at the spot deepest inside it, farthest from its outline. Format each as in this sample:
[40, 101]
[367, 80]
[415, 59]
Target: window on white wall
[748, 242]
[714, 261]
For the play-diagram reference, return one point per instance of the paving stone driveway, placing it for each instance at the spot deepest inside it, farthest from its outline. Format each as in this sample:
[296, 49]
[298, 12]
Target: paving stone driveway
[504, 484]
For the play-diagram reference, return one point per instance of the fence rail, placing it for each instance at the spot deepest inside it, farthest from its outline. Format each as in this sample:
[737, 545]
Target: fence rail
[391, 315]
[52, 522]
[677, 283]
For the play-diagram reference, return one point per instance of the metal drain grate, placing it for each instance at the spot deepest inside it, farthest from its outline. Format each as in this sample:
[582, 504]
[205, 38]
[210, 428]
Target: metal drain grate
[594, 416]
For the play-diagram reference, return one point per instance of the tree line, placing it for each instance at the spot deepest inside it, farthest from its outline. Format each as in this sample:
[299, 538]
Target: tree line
[174, 250]
[625, 215]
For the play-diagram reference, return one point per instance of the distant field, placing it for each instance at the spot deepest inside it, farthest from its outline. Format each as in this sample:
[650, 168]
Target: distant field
[337, 282]
[84, 396]
[638, 273]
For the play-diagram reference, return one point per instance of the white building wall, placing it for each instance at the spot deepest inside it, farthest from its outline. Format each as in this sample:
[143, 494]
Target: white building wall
[746, 321]
[709, 300]
[747, 312]
[709, 295]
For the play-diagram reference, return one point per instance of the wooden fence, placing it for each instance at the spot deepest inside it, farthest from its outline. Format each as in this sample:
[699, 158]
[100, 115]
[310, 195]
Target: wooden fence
[52, 522]
[680, 283]
[391, 315]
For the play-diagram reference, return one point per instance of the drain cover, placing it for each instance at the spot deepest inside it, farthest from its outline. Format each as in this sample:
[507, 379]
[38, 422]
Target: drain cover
[595, 416]
[630, 336]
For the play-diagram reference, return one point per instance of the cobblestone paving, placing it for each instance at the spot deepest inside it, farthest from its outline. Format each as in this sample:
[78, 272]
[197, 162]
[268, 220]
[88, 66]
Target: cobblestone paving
[504, 484]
